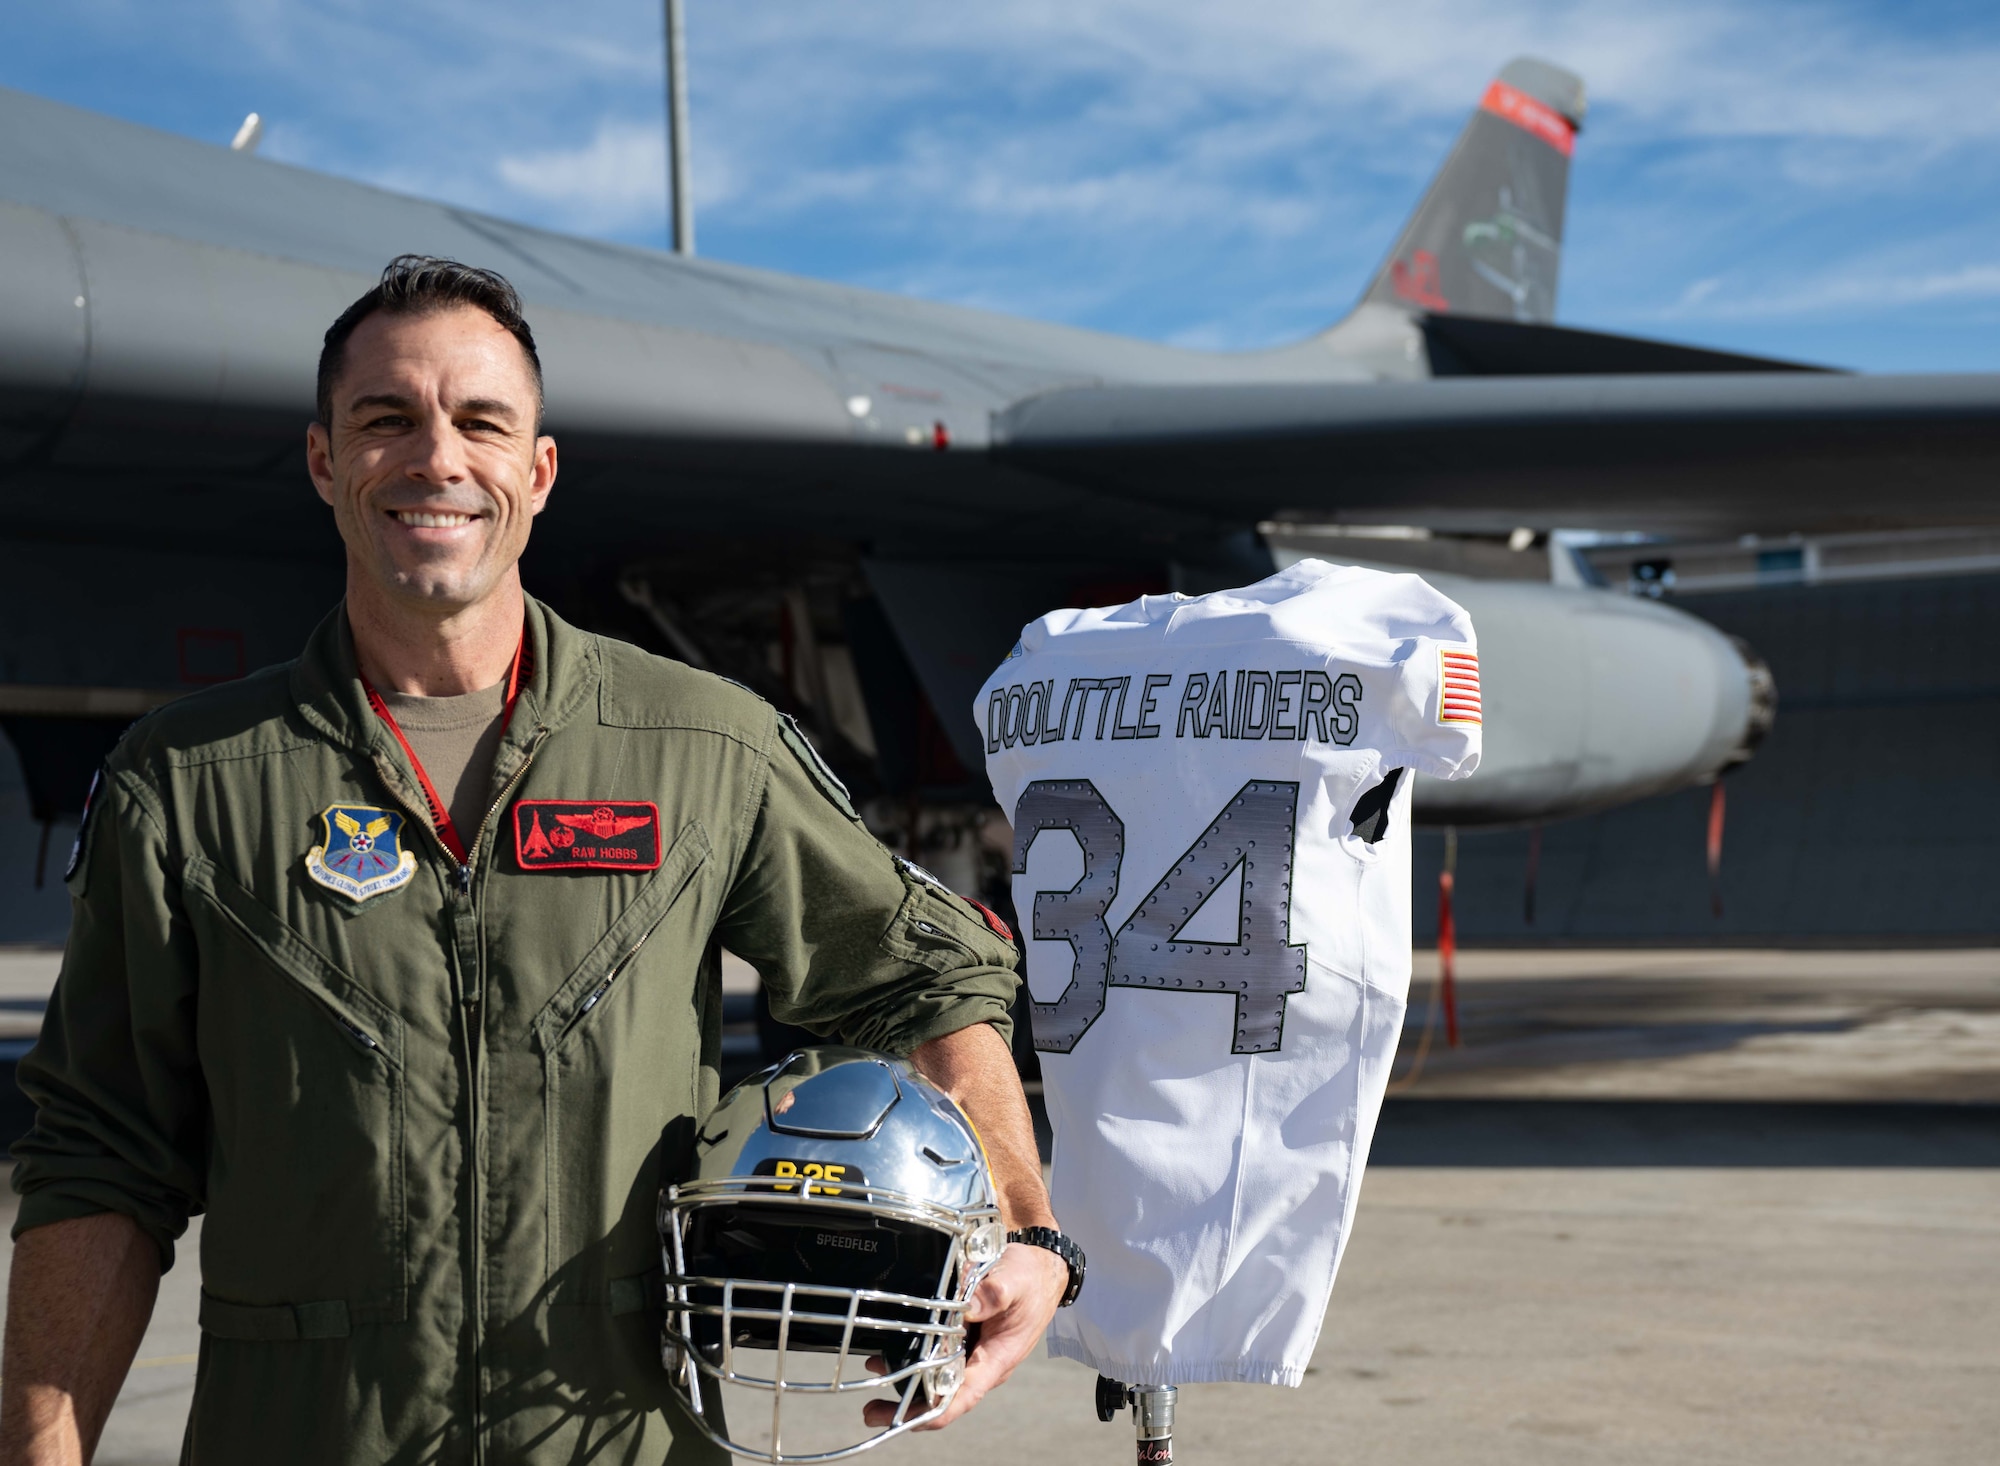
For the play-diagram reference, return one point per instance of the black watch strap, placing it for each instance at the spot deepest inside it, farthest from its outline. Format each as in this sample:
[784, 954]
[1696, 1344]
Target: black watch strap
[1062, 1247]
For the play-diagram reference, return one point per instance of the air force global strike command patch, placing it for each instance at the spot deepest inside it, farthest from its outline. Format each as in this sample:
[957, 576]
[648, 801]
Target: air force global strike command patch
[586, 834]
[362, 854]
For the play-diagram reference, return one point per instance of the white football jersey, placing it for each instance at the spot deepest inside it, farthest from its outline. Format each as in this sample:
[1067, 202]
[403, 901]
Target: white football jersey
[1212, 862]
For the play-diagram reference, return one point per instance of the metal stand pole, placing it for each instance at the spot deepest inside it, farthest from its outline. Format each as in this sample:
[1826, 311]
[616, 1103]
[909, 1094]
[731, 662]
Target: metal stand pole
[679, 186]
[1152, 1414]
[1153, 1410]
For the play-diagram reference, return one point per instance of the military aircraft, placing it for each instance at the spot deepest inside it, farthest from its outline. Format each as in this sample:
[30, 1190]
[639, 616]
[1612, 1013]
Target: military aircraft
[843, 496]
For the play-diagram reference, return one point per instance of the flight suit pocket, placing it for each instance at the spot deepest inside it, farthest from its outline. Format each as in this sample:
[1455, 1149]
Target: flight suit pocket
[630, 1010]
[305, 1071]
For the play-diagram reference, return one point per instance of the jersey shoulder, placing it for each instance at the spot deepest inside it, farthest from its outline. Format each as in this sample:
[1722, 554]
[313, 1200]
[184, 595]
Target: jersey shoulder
[1361, 607]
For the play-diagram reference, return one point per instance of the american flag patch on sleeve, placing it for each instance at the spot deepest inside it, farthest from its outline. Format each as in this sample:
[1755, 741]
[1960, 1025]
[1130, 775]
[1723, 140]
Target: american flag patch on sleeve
[1458, 685]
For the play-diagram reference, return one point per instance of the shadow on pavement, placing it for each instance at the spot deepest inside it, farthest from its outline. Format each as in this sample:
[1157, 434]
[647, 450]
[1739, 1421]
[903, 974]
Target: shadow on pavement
[1538, 1132]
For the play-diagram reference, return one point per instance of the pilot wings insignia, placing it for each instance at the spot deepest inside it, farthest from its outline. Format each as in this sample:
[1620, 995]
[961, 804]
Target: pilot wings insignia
[604, 822]
[361, 854]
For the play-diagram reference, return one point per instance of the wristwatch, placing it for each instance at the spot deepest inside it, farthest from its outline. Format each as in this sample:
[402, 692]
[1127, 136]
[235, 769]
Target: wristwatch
[1061, 1246]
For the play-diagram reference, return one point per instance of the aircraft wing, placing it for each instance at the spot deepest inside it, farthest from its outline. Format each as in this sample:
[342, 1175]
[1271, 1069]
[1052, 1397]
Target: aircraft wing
[153, 332]
[1709, 451]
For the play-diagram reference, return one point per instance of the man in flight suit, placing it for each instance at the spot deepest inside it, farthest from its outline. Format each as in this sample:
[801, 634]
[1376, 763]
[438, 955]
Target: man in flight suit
[401, 964]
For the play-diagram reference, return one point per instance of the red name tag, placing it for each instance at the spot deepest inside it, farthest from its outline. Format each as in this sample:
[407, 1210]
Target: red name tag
[586, 834]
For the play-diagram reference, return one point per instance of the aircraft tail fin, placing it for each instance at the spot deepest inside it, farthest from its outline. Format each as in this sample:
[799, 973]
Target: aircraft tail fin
[1487, 238]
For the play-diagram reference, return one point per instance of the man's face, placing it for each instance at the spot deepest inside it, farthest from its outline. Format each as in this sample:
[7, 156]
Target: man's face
[431, 461]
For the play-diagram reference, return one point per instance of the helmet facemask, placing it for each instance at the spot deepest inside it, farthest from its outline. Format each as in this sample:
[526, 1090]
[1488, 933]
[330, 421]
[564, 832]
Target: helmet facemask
[785, 1275]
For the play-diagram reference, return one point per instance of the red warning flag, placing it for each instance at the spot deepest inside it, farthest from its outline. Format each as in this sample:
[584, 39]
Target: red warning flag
[1715, 808]
[1447, 958]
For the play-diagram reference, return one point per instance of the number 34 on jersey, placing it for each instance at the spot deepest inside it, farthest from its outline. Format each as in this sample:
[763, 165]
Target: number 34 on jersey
[1254, 831]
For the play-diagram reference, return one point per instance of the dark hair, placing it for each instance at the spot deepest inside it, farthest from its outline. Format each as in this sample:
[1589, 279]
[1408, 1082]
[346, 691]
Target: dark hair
[414, 285]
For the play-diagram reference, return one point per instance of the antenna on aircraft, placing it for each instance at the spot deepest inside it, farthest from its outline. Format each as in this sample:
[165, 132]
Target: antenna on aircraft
[248, 135]
[681, 195]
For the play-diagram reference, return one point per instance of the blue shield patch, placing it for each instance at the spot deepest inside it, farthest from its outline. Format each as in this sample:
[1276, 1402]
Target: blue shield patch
[362, 853]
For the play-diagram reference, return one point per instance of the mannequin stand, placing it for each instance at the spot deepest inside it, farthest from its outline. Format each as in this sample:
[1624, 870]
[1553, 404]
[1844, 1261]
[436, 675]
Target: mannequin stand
[1152, 1415]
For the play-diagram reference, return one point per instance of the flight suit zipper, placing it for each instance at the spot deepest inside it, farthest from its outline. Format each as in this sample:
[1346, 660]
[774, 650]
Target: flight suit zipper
[601, 989]
[506, 793]
[358, 1034]
[475, 1028]
[470, 1003]
[596, 994]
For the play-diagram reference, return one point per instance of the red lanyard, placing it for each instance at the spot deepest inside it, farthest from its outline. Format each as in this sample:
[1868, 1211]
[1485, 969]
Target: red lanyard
[440, 815]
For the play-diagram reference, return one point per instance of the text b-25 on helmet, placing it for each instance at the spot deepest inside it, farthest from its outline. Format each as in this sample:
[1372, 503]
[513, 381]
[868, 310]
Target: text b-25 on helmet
[840, 1207]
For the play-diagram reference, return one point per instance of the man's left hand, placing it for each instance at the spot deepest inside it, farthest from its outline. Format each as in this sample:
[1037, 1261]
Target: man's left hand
[1015, 1301]
[1012, 1306]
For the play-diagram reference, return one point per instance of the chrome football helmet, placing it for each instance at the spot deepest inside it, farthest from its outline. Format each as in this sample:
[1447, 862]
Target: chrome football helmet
[840, 1207]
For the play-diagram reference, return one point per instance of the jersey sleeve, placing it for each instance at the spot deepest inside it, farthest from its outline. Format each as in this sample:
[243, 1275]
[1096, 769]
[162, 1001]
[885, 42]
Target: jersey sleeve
[1435, 720]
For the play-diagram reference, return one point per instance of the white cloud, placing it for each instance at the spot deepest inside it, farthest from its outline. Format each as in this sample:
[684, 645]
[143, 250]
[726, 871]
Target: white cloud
[1269, 121]
[611, 182]
[1864, 290]
[1215, 174]
[1036, 108]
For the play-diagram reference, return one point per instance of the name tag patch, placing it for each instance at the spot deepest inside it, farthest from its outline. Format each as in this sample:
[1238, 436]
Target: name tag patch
[586, 834]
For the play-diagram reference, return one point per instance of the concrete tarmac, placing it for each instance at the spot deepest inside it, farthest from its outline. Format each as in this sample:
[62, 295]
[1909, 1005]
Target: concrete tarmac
[1713, 1024]
[1662, 1207]
[1498, 1315]
[1493, 1316]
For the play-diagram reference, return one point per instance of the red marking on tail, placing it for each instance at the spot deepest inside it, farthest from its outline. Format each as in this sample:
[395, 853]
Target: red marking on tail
[1417, 281]
[1514, 105]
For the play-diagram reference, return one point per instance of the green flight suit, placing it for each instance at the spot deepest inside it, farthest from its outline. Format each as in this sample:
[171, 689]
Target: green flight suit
[428, 1128]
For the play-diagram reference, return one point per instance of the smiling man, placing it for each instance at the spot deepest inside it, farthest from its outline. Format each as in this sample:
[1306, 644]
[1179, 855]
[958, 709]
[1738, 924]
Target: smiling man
[333, 981]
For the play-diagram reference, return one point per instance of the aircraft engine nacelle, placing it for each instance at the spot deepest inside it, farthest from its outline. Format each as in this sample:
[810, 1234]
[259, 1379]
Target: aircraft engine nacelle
[1593, 699]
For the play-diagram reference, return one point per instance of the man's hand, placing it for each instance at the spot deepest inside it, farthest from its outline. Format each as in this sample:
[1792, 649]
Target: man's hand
[77, 1305]
[1012, 1306]
[1015, 1301]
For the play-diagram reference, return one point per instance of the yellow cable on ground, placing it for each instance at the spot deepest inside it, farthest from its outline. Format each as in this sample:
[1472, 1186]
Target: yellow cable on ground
[1423, 1042]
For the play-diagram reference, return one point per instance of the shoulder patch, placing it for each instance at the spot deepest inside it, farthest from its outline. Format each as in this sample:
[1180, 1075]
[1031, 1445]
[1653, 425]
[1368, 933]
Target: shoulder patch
[828, 781]
[73, 869]
[360, 854]
[991, 917]
[1458, 685]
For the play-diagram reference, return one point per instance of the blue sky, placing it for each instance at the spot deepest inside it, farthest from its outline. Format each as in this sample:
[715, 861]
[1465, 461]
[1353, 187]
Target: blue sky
[1806, 179]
